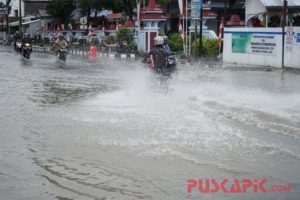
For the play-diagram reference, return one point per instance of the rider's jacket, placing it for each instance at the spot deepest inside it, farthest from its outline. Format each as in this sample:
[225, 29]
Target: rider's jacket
[159, 56]
[61, 43]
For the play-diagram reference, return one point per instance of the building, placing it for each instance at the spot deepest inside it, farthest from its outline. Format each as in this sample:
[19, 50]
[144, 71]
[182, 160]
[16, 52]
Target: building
[15, 11]
[28, 7]
[268, 13]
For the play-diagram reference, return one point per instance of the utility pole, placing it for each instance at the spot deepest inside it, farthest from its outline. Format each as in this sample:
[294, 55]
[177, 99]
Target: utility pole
[283, 24]
[225, 23]
[201, 28]
[7, 6]
[20, 16]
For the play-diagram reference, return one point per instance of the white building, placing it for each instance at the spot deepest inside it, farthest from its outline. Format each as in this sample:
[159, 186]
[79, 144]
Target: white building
[266, 9]
[15, 7]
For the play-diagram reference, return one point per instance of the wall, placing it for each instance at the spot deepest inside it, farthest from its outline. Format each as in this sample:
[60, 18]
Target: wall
[261, 46]
[15, 6]
[292, 48]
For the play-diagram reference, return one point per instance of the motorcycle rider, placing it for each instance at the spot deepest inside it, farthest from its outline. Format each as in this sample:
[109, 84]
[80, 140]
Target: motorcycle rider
[26, 46]
[158, 57]
[26, 39]
[60, 42]
[16, 37]
[166, 45]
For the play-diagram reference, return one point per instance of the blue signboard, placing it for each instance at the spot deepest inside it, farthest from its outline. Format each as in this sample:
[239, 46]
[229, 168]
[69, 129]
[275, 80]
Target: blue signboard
[196, 7]
[297, 37]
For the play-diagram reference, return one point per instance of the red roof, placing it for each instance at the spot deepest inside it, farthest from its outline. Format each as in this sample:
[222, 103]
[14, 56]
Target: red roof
[153, 16]
[129, 24]
[114, 16]
[235, 20]
[152, 12]
[152, 6]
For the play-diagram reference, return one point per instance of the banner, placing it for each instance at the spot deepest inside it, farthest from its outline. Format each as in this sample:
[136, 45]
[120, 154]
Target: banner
[180, 29]
[180, 4]
[254, 43]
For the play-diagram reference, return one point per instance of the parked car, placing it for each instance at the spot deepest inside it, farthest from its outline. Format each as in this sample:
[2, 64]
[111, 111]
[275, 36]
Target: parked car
[209, 34]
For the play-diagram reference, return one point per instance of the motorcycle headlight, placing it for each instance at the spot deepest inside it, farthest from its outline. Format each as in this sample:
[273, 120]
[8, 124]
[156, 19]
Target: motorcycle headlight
[27, 45]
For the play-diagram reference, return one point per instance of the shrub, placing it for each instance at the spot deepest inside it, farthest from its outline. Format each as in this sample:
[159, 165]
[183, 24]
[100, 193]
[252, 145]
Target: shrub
[176, 42]
[125, 34]
[94, 41]
[46, 40]
[74, 40]
[132, 46]
[210, 47]
[110, 40]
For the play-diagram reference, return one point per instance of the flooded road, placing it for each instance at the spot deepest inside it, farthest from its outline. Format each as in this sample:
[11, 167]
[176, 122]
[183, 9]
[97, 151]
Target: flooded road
[104, 130]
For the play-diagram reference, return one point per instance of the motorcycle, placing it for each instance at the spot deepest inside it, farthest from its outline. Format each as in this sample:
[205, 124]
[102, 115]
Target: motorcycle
[18, 46]
[169, 68]
[172, 60]
[26, 50]
[62, 54]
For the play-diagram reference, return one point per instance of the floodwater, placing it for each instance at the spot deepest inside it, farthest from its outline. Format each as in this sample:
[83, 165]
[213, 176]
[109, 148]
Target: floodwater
[105, 130]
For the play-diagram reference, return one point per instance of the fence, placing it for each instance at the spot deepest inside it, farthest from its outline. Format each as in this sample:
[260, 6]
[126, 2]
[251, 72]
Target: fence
[262, 46]
[83, 53]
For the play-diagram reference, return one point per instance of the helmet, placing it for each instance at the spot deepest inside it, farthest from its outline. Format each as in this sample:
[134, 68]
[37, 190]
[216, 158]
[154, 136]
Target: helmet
[26, 35]
[166, 39]
[159, 40]
[60, 35]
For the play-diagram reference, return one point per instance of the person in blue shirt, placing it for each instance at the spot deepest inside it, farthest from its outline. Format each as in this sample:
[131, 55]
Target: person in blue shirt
[166, 45]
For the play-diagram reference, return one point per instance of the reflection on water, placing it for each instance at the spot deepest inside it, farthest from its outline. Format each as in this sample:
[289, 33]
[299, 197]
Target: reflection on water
[106, 130]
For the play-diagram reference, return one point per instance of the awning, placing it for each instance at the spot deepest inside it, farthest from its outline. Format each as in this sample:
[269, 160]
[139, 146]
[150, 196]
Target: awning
[23, 23]
[279, 3]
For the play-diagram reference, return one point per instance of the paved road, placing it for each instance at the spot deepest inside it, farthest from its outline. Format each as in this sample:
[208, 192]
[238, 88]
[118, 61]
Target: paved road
[108, 130]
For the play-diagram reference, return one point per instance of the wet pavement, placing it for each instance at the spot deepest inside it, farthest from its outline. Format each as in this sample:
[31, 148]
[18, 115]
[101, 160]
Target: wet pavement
[107, 130]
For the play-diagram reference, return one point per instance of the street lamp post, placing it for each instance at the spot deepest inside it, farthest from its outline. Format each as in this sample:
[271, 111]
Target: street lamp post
[283, 24]
[20, 16]
[201, 28]
[225, 24]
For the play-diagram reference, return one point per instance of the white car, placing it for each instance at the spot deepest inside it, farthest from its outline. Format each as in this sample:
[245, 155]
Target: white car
[209, 34]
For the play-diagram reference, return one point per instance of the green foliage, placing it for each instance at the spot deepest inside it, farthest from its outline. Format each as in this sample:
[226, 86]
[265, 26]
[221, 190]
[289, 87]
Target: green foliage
[132, 46]
[86, 6]
[74, 40]
[110, 40]
[176, 42]
[124, 34]
[94, 41]
[61, 10]
[46, 40]
[210, 47]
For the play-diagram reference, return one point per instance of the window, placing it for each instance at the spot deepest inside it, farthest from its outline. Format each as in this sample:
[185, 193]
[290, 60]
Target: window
[16, 12]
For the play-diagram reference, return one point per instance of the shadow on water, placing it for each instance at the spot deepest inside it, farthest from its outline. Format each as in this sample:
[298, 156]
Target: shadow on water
[58, 93]
[26, 62]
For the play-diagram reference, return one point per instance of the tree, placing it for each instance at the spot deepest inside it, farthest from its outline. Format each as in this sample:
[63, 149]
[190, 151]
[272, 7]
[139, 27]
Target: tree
[61, 10]
[87, 6]
[128, 5]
